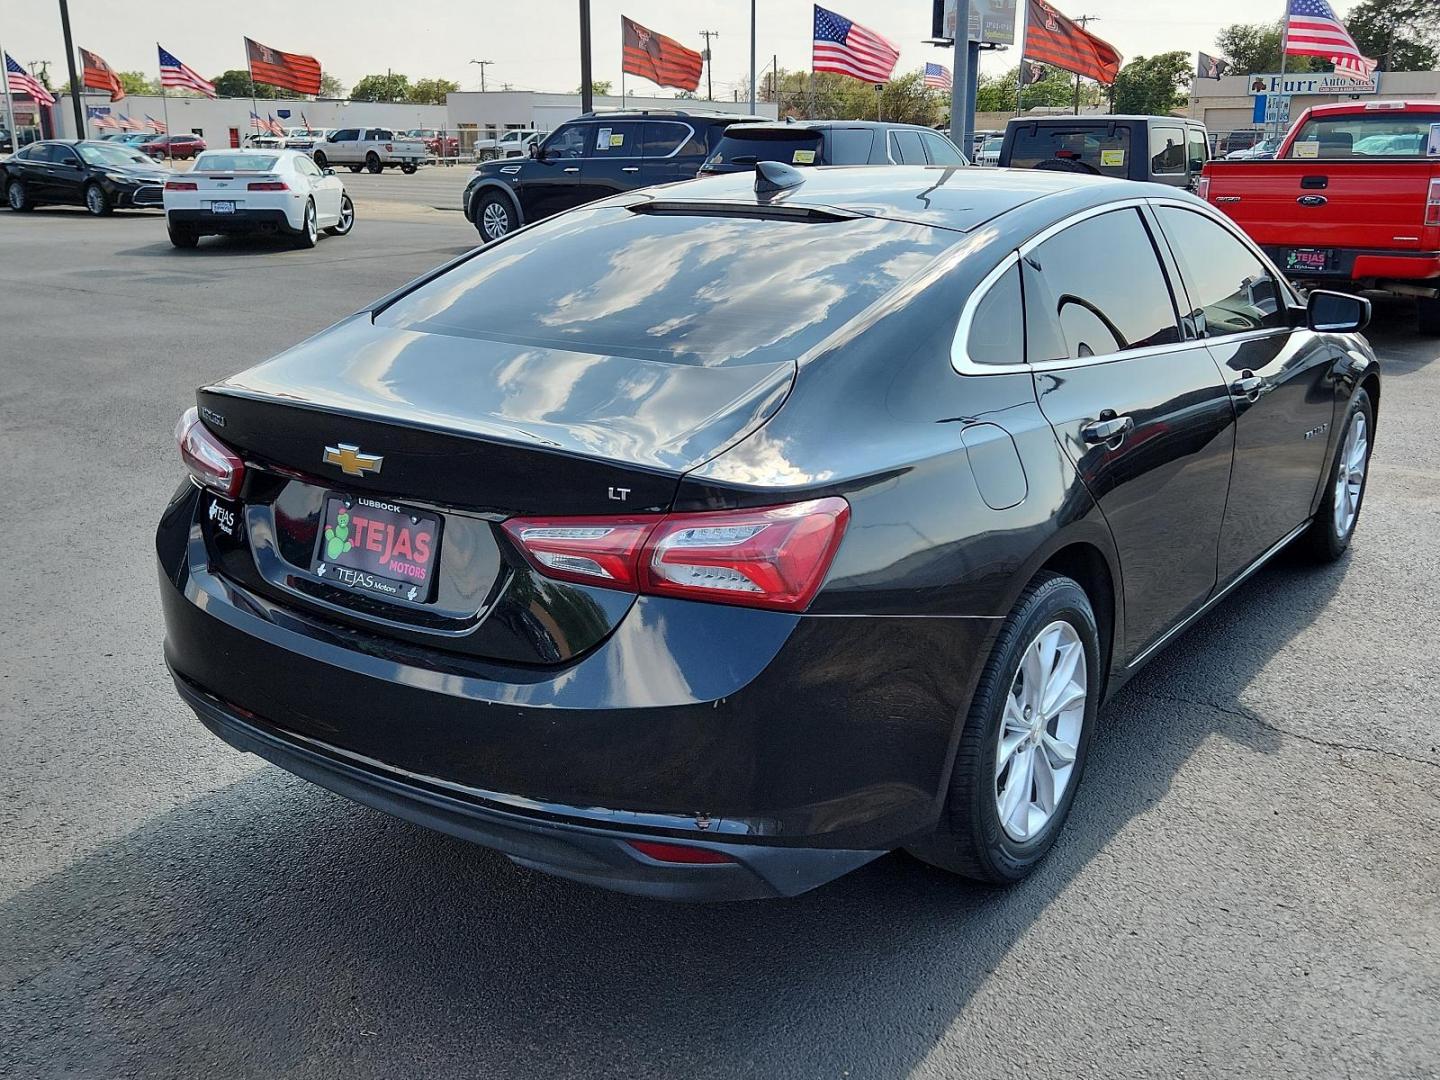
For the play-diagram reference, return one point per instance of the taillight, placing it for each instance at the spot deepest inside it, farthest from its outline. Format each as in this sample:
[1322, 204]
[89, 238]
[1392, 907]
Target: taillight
[267, 185]
[774, 557]
[389, 149]
[679, 853]
[1432, 203]
[210, 462]
[1202, 188]
[181, 185]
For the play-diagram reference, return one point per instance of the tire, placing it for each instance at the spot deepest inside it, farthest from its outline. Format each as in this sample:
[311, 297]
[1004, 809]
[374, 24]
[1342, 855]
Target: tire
[1427, 315]
[307, 235]
[184, 236]
[356, 168]
[494, 216]
[96, 201]
[408, 169]
[1334, 523]
[373, 163]
[486, 155]
[320, 159]
[973, 840]
[17, 198]
[347, 218]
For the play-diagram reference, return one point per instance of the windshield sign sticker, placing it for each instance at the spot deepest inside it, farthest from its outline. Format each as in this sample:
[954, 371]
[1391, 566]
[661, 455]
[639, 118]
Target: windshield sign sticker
[602, 139]
[803, 157]
[1432, 148]
[1112, 159]
[1305, 149]
[617, 139]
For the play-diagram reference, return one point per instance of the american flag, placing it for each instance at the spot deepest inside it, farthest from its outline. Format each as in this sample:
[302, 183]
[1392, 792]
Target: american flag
[157, 125]
[21, 81]
[1311, 29]
[847, 48]
[937, 76]
[174, 73]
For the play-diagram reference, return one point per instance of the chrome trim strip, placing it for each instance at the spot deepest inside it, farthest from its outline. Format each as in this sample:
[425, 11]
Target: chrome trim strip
[631, 157]
[1204, 609]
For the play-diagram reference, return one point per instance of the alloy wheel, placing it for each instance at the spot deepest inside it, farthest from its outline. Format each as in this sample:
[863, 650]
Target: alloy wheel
[16, 194]
[347, 215]
[1040, 730]
[1350, 475]
[496, 220]
[310, 230]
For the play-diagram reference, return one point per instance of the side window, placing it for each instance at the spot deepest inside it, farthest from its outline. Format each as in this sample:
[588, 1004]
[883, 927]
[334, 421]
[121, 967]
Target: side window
[1199, 150]
[849, 146]
[1233, 292]
[382, 134]
[906, 149]
[568, 141]
[997, 331]
[344, 135]
[1167, 150]
[661, 139]
[619, 138]
[941, 150]
[1096, 289]
[63, 155]
[306, 166]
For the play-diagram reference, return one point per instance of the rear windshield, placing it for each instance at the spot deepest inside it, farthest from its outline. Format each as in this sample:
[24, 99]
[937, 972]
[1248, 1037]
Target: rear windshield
[237, 162]
[705, 290]
[1105, 148]
[1376, 134]
[793, 148]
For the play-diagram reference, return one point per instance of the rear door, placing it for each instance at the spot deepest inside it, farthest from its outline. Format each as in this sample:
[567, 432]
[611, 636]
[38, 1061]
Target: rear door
[1138, 405]
[907, 149]
[66, 177]
[612, 162]
[1281, 382]
[671, 151]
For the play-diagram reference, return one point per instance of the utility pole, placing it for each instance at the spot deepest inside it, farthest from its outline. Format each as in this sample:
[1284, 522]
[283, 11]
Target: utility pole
[752, 58]
[1084, 21]
[483, 65]
[587, 95]
[80, 131]
[709, 64]
[962, 93]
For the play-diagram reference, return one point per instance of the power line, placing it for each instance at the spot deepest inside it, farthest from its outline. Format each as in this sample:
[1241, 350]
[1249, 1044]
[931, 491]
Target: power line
[709, 87]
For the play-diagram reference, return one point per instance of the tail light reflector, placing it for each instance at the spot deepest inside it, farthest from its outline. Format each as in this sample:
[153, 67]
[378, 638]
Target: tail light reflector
[1432, 203]
[679, 853]
[1202, 188]
[181, 185]
[774, 557]
[267, 185]
[210, 462]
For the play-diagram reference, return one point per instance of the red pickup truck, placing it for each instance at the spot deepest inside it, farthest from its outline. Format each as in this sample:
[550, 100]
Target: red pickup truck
[1352, 199]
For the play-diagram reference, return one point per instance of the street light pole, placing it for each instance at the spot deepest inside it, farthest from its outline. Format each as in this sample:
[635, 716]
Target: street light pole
[587, 97]
[960, 77]
[752, 57]
[80, 131]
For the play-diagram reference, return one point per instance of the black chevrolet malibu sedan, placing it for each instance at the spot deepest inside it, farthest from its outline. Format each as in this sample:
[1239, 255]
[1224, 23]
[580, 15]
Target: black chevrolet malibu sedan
[100, 176]
[707, 542]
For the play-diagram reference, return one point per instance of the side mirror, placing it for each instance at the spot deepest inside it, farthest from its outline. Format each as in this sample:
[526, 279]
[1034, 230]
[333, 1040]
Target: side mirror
[329, 172]
[1336, 312]
[1196, 164]
[536, 152]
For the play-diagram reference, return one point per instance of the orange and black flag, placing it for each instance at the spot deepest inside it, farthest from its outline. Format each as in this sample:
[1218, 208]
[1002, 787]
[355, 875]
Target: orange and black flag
[658, 58]
[1053, 39]
[96, 74]
[289, 71]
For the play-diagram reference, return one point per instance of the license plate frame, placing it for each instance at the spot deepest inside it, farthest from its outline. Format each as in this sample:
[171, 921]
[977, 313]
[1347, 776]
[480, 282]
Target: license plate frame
[1314, 260]
[372, 561]
[223, 206]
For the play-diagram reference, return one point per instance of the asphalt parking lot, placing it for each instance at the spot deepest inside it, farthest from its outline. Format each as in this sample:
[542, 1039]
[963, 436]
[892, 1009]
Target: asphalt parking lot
[1249, 883]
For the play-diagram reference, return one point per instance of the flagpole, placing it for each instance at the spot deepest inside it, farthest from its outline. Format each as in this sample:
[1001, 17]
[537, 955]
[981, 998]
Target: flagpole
[752, 59]
[165, 112]
[10, 103]
[254, 105]
[1020, 71]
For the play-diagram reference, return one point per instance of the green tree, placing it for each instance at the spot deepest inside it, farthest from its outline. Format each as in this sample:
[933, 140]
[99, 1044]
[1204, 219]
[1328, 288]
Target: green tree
[389, 87]
[1254, 48]
[236, 83]
[827, 96]
[1403, 35]
[598, 88]
[1153, 85]
[431, 91]
[330, 86]
[996, 93]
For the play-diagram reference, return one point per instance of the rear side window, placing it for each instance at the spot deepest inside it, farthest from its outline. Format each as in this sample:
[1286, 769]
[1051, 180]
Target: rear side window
[849, 146]
[617, 138]
[345, 135]
[1096, 289]
[907, 149]
[1199, 149]
[1105, 148]
[700, 289]
[1372, 134]
[663, 139]
[941, 150]
[1167, 150]
[997, 331]
[1233, 291]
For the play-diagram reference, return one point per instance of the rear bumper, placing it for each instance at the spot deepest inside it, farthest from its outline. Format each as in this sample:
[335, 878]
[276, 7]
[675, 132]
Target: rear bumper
[1367, 265]
[593, 855]
[241, 221]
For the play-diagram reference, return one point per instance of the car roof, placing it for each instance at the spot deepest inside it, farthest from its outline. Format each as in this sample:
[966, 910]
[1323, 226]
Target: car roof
[948, 197]
[826, 125]
[1100, 118]
[670, 114]
[1390, 106]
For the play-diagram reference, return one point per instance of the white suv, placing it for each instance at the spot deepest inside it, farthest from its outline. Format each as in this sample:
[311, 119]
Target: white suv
[511, 144]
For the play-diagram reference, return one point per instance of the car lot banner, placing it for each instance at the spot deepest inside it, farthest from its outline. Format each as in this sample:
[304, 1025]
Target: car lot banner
[289, 71]
[991, 21]
[658, 58]
[1053, 39]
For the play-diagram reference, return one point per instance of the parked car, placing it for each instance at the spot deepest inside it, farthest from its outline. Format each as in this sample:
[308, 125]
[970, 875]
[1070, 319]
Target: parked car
[1350, 200]
[978, 139]
[179, 144]
[1160, 149]
[372, 149]
[592, 156]
[989, 152]
[100, 176]
[257, 191]
[303, 138]
[510, 144]
[708, 543]
[1263, 150]
[438, 143]
[830, 142]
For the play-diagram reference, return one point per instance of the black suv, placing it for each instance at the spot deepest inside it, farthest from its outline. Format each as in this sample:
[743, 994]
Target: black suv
[832, 142]
[591, 157]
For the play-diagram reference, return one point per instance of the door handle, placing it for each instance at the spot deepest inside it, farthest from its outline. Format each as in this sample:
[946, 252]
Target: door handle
[572, 168]
[1248, 385]
[1107, 430]
[631, 168]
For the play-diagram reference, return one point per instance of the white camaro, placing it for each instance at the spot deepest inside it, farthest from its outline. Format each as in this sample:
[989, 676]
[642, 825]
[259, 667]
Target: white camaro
[249, 191]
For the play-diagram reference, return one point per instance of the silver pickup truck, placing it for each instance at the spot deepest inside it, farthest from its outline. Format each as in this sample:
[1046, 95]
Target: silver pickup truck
[370, 148]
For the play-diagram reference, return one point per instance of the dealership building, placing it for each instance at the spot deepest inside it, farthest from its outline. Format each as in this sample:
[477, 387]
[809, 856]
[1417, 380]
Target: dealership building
[1228, 104]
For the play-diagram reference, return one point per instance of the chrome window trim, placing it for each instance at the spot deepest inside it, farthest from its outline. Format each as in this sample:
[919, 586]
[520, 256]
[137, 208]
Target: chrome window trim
[590, 142]
[959, 354]
[889, 145]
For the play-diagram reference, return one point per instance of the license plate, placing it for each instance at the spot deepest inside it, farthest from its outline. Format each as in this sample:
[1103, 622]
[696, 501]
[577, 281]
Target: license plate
[377, 547]
[1310, 259]
[222, 207]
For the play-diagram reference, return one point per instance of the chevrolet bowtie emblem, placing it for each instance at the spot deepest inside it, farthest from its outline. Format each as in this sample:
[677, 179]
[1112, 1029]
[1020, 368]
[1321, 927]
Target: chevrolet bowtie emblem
[351, 461]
